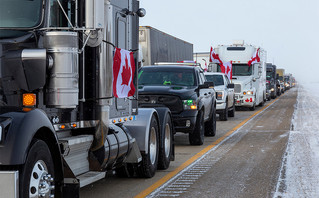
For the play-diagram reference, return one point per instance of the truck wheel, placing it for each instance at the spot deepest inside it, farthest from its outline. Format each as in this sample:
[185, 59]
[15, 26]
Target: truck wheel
[197, 137]
[166, 145]
[148, 165]
[38, 172]
[210, 126]
[253, 107]
[224, 115]
[231, 113]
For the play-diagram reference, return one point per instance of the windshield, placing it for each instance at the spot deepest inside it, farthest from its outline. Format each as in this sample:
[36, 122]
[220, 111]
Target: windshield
[217, 79]
[166, 77]
[20, 13]
[242, 70]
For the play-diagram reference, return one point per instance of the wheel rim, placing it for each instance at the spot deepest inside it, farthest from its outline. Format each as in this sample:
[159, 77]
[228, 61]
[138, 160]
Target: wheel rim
[167, 140]
[153, 145]
[41, 182]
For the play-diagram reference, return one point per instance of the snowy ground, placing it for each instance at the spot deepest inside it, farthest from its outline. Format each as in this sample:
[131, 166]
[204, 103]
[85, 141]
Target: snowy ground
[300, 169]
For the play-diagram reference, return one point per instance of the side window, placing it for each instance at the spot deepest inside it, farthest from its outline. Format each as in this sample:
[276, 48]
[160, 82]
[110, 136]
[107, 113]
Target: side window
[227, 80]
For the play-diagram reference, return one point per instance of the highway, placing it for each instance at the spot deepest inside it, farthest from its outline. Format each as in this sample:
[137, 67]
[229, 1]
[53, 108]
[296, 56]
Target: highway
[242, 160]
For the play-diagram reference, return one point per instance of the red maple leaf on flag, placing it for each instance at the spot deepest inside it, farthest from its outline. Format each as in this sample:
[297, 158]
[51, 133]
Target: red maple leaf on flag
[126, 73]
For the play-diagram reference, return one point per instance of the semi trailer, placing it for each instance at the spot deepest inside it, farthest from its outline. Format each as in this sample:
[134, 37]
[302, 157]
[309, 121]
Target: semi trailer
[158, 46]
[61, 125]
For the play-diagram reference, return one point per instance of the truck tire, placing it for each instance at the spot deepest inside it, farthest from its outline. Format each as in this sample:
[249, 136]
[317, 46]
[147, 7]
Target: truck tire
[231, 113]
[197, 137]
[166, 144]
[210, 125]
[224, 115]
[253, 107]
[38, 172]
[149, 162]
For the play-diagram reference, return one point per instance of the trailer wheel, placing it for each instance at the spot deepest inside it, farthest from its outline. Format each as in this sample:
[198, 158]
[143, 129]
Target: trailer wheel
[166, 145]
[210, 125]
[149, 162]
[197, 137]
[38, 172]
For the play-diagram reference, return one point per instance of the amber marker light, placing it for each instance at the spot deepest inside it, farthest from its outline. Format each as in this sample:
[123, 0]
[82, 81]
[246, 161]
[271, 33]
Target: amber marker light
[62, 126]
[193, 107]
[74, 125]
[29, 99]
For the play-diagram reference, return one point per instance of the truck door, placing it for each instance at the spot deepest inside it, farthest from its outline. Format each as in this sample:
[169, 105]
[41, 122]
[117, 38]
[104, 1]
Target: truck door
[121, 30]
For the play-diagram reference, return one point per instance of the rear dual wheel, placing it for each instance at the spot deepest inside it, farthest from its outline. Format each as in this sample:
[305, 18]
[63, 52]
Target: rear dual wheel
[166, 144]
[149, 162]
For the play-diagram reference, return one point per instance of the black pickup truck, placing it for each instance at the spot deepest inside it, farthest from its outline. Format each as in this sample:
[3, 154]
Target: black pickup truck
[184, 90]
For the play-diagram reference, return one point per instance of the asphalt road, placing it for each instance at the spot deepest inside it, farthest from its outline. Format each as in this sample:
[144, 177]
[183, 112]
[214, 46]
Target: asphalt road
[242, 160]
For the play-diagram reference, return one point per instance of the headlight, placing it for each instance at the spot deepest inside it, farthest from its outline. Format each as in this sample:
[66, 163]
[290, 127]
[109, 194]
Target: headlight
[248, 93]
[189, 104]
[219, 95]
[272, 89]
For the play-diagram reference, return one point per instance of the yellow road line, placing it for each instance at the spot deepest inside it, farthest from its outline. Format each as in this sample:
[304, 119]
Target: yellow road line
[170, 175]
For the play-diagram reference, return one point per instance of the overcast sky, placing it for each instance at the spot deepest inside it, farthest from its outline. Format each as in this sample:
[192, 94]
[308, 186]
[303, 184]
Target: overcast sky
[287, 29]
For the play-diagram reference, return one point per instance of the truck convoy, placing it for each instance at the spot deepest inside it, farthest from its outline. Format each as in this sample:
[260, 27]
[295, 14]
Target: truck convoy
[249, 80]
[271, 77]
[61, 127]
[157, 46]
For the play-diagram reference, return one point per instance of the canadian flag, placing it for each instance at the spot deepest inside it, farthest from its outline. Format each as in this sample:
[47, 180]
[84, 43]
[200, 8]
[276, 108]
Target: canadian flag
[254, 59]
[228, 67]
[123, 73]
[214, 58]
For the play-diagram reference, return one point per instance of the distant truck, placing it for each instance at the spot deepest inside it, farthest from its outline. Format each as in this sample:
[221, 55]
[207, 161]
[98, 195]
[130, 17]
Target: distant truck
[288, 80]
[157, 46]
[281, 74]
[271, 76]
[249, 80]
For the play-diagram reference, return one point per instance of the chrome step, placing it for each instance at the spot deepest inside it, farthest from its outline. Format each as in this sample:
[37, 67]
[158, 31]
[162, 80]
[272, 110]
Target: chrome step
[90, 177]
[76, 152]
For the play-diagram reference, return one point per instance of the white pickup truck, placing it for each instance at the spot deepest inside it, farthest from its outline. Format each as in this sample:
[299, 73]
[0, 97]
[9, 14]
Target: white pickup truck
[225, 105]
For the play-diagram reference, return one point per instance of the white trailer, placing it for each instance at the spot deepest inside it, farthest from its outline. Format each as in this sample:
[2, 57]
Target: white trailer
[249, 80]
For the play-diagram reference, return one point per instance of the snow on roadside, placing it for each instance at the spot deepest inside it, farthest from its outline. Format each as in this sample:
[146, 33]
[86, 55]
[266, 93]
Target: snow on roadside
[299, 175]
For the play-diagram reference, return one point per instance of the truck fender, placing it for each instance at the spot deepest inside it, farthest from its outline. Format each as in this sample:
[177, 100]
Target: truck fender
[139, 128]
[20, 133]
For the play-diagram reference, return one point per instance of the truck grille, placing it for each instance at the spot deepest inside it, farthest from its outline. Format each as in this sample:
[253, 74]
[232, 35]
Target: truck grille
[237, 88]
[174, 103]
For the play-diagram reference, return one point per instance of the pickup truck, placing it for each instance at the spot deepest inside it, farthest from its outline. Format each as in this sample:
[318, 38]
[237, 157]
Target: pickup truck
[184, 90]
[224, 94]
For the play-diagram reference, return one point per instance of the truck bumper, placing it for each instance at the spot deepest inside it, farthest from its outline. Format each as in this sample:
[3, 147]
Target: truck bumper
[244, 101]
[220, 106]
[9, 184]
[185, 121]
